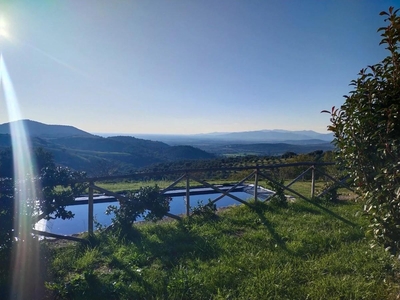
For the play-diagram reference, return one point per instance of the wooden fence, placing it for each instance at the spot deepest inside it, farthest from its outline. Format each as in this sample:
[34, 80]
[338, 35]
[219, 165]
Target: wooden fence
[186, 175]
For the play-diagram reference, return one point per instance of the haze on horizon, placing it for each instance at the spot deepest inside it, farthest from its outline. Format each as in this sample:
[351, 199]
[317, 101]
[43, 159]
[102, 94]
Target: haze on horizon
[186, 67]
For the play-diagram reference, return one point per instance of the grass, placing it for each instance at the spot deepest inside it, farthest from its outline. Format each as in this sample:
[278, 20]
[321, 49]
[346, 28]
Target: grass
[132, 185]
[302, 187]
[135, 185]
[302, 251]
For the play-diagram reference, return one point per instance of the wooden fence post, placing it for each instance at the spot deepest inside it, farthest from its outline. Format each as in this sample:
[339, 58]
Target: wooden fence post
[187, 195]
[256, 184]
[90, 209]
[312, 181]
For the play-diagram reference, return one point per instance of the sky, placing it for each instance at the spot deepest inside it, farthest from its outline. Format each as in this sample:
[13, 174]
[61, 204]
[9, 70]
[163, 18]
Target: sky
[186, 66]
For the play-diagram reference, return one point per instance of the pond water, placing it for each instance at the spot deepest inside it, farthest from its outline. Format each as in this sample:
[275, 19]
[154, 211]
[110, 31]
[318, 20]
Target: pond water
[80, 221]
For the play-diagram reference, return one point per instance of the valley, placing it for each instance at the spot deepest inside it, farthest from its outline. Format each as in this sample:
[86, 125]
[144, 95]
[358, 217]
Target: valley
[111, 155]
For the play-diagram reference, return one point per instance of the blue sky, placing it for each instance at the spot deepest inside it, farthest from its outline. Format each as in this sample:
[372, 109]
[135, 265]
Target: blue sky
[186, 66]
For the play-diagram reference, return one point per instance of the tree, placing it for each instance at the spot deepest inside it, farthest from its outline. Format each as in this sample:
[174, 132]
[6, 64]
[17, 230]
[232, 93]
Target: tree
[367, 135]
[55, 189]
[6, 164]
[19, 251]
[43, 159]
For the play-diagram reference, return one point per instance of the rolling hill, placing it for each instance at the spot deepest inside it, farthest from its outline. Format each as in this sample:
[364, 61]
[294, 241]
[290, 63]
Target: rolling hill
[37, 129]
[97, 155]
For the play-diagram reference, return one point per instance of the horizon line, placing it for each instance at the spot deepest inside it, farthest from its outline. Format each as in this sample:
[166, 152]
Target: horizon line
[207, 133]
[180, 134]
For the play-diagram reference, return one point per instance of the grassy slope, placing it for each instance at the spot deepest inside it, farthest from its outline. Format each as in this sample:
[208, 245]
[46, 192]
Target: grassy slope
[304, 251]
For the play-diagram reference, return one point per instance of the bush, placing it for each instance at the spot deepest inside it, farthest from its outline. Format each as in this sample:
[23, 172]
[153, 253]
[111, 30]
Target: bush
[279, 198]
[205, 212]
[147, 203]
[367, 135]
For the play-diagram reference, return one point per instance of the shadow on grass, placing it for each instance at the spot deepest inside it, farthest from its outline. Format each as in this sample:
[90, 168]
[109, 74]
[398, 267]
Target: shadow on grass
[322, 209]
[331, 213]
[305, 209]
[172, 244]
[260, 208]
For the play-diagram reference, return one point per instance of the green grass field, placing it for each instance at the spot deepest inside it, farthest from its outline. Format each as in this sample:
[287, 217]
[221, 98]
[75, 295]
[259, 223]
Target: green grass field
[302, 187]
[302, 251]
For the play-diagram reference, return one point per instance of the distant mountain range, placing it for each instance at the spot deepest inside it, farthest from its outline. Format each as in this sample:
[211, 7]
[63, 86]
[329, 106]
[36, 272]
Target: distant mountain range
[105, 155]
[97, 155]
[276, 135]
[245, 137]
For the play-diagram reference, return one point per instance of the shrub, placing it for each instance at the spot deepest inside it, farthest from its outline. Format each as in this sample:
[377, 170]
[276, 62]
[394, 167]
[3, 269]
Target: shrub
[205, 211]
[367, 134]
[147, 203]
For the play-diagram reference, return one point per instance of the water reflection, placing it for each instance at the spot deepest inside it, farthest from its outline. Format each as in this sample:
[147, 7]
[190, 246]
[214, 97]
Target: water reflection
[80, 221]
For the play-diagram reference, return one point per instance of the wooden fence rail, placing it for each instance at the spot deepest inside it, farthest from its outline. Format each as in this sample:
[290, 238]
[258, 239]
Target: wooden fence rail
[187, 175]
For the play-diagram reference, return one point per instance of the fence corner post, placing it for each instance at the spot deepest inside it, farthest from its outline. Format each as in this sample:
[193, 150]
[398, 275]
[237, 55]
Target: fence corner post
[187, 195]
[256, 184]
[90, 209]
[312, 181]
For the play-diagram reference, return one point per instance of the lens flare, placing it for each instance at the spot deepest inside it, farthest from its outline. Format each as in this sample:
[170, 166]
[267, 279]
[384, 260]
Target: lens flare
[25, 262]
[4, 33]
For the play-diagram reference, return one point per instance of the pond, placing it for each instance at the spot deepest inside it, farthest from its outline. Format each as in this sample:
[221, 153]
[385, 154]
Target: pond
[80, 221]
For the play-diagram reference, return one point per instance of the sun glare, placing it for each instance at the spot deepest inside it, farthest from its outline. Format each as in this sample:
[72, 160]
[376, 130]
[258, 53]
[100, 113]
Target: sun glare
[25, 266]
[4, 33]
